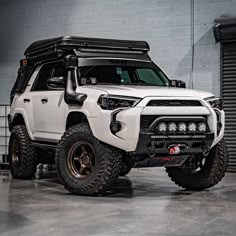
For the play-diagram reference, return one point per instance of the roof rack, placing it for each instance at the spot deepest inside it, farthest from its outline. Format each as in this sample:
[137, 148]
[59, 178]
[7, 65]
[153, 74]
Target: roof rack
[83, 46]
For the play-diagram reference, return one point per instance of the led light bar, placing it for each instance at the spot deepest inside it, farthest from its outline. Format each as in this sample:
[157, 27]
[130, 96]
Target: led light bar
[162, 127]
[172, 127]
[96, 50]
[192, 127]
[178, 136]
[182, 127]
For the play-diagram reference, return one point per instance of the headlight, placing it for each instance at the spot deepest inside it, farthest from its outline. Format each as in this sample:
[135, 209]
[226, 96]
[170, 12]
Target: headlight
[215, 102]
[111, 102]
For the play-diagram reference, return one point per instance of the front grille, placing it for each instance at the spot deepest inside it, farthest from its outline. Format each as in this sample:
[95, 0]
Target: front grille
[182, 103]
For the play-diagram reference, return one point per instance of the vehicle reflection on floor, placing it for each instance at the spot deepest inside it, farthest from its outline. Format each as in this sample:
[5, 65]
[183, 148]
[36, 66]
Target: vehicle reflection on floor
[143, 203]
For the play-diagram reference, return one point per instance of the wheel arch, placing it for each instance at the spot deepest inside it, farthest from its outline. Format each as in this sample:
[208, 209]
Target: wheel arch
[18, 119]
[76, 117]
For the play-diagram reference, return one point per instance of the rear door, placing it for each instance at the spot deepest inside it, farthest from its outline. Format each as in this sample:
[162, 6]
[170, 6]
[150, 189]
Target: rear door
[48, 106]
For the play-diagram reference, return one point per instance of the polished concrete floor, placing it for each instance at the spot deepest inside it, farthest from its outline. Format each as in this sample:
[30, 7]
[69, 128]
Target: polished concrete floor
[144, 203]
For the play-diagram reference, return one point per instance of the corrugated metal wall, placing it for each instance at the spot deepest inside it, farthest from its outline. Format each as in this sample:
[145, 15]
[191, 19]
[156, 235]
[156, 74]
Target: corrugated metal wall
[4, 133]
[229, 94]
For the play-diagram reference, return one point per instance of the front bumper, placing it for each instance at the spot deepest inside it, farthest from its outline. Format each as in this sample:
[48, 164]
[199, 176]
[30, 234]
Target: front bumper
[130, 137]
[161, 144]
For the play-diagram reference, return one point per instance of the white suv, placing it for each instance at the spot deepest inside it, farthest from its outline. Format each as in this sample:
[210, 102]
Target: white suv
[99, 107]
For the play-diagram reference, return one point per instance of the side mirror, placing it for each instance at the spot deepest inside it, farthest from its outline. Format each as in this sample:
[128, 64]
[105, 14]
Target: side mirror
[177, 84]
[56, 83]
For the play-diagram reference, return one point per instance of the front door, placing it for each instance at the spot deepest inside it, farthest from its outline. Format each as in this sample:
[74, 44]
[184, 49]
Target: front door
[48, 104]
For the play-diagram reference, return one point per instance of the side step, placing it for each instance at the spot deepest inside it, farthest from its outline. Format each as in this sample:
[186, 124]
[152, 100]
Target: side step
[45, 146]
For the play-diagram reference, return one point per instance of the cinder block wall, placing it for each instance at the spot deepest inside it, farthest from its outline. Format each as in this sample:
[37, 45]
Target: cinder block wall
[165, 24]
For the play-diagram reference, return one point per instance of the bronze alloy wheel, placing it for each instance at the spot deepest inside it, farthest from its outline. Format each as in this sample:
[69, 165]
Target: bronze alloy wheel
[81, 160]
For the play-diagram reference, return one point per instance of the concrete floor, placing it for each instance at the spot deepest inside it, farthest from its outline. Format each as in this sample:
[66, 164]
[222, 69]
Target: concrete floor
[144, 203]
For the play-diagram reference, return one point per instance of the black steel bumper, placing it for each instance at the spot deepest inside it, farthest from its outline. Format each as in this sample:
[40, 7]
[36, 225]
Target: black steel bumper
[150, 143]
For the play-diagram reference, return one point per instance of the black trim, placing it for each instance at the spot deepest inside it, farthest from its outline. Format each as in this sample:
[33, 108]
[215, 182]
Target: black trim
[174, 103]
[166, 161]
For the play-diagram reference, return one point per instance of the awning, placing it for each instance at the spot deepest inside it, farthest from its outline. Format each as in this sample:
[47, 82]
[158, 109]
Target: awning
[225, 29]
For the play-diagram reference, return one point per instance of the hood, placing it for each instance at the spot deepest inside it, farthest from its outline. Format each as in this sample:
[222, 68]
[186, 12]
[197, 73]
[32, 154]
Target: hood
[146, 91]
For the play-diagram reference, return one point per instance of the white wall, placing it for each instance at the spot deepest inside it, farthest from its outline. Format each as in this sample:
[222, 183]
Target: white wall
[165, 24]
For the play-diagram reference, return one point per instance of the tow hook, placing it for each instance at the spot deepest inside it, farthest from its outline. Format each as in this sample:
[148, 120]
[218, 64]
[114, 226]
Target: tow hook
[175, 149]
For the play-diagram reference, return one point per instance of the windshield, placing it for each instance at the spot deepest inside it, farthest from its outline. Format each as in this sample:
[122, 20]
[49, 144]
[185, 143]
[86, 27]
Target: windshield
[123, 75]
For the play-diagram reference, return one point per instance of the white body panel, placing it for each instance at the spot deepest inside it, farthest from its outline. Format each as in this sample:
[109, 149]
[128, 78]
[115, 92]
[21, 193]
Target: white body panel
[47, 121]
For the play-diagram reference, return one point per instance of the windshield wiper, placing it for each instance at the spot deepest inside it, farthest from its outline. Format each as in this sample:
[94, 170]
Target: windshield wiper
[142, 83]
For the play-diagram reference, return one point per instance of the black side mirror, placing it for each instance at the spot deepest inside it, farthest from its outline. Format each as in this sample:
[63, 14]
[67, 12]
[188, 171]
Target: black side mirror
[177, 84]
[56, 83]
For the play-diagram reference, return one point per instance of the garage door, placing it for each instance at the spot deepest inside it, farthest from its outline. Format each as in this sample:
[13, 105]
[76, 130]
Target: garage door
[229, 94]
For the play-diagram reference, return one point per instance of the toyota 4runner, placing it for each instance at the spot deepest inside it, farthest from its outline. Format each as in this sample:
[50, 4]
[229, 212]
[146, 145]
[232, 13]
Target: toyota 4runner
[99, 107]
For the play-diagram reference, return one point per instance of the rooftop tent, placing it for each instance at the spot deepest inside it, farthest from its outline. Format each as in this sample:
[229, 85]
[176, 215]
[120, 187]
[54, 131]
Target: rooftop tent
[225, 29]
[54, 48]
[84, 46]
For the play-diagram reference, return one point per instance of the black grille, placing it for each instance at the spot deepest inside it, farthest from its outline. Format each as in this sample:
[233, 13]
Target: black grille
[184, 103]
[146, 121]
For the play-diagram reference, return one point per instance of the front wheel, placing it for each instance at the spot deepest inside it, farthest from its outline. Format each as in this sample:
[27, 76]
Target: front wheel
[126, 165]
[84, 164]
[207, 172]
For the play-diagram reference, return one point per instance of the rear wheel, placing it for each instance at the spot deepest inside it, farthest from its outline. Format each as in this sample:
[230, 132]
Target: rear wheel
[22, 157]
[84, 164]
[205, 173]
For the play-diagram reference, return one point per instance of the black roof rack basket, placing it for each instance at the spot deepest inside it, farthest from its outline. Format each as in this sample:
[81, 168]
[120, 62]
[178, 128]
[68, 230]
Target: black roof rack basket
[83, 46]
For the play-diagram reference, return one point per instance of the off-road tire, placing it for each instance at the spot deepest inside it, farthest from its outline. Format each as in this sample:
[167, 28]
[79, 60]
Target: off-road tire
[106, 168]
[212, 173]
[27, 163]
[126, 165]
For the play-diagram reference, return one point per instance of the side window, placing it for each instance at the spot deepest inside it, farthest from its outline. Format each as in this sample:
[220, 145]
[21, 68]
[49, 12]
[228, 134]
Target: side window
[59, 70]
[48, 71]
[40, 83]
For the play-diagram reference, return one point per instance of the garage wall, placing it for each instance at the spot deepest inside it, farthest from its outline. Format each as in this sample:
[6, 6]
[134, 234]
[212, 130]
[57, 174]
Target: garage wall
[165, 24]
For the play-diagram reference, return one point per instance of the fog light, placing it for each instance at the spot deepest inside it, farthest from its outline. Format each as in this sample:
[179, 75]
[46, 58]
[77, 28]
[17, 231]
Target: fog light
[162, 127]
[192, 127]
[182, 127]
[172, 127]
[201, 127]
[115, 126]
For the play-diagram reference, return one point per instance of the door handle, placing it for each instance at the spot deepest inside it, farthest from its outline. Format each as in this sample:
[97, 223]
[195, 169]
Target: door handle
[44, 100]
[26, 100]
